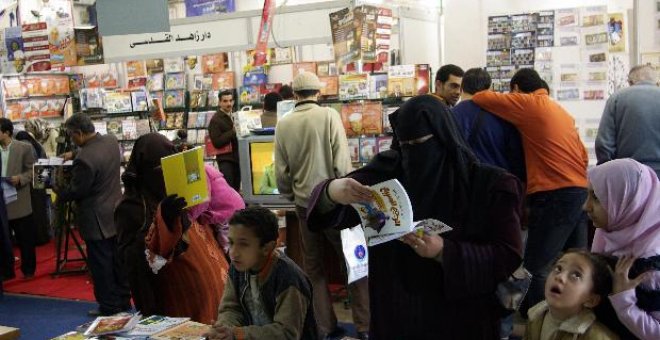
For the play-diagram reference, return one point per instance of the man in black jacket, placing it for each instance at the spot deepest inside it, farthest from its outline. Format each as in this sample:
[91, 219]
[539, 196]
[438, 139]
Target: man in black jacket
[95, 188]
[223, 137]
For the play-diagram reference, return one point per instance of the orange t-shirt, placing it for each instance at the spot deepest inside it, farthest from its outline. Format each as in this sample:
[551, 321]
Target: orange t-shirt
[554, 154]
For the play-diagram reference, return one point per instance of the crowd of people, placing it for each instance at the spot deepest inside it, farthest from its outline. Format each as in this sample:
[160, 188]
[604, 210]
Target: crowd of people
[507, 171]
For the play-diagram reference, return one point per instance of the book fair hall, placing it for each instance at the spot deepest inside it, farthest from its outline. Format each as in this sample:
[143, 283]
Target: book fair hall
[329, 169]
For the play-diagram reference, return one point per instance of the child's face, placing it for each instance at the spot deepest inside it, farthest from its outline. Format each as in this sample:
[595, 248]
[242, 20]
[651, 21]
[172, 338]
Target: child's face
[245, 249]
[569, 287]
[595, 209]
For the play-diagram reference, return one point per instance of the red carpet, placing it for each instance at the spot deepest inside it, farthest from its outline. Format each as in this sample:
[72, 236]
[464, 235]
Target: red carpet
[70, 286]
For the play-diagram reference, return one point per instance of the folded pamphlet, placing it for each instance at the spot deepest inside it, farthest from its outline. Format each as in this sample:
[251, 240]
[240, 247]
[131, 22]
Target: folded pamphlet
[185, 176]
[390, 215]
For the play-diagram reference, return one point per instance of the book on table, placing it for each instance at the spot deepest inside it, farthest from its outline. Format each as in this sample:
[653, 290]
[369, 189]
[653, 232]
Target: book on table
[114, 324]
[189, 330]
[154, 324]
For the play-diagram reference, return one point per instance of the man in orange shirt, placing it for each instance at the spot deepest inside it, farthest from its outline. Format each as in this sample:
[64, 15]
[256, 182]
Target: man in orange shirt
[556, 163]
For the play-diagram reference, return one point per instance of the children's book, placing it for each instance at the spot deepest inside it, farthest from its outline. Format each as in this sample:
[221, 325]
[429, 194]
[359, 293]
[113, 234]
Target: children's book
[185, 176]
[390, 216]
[112, 324]
[154, 324]
[189, 330]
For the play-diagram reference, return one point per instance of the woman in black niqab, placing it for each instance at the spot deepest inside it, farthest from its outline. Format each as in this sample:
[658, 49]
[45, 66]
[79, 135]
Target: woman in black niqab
[433, 287]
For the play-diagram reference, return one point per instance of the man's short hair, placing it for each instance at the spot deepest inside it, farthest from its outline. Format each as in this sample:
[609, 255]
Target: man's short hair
[528, 80]
[286, 92]
[225, 93]
[261, 221]
[642, 73]
[270, 101]
[448, 70]
[7, 126]
[475, 80]
[80, 122]
[306, 93]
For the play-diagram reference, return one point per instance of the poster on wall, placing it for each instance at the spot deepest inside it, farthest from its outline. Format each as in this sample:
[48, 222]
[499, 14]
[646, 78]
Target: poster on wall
[61, 34]
[365, 17]
[89, 50]
[214, 63]
[616, 33]
[36, 46]
[196, 8]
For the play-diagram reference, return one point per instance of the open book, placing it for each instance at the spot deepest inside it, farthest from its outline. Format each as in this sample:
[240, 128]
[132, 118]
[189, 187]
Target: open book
[390, 215]
[185, 176]
[154, 324]
[118, 323]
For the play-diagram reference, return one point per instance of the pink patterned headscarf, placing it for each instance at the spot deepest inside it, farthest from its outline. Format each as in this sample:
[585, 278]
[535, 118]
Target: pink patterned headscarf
[630, 193]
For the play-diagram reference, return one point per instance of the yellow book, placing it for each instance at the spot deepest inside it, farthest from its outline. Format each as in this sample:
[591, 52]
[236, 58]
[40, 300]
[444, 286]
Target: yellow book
[185, 176]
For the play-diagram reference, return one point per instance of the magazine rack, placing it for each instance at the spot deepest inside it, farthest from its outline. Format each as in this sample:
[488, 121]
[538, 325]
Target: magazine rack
[64, 229]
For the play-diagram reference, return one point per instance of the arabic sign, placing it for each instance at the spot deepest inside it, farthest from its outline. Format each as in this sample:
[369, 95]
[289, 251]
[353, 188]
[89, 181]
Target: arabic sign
[36, 47]
[198, 38]
[204, 7]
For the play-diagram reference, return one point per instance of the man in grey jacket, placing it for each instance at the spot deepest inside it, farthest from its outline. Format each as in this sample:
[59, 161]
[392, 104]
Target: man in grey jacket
[630, 125]
[95, 188]
[311, 146]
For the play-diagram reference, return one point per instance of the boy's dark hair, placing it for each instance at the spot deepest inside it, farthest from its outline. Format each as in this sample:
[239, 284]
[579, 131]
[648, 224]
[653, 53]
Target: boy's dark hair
[602, 272]
[527, 79]
[445, 71]
[286, 92]
[306, 93]
[80, 122]
[225, 93]
[270, 101]
[182, 133]
[7, 126]
[475, 80]
[260, 220]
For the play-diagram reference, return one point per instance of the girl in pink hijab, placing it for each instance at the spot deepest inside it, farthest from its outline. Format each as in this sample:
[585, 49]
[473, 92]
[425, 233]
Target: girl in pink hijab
[624, 204]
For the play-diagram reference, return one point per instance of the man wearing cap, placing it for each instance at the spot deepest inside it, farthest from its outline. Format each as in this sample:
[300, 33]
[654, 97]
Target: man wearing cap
[311, 146]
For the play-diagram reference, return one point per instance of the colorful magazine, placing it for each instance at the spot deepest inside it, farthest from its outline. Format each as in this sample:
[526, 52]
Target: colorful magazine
[112, 324]
[390, 216]
[188, 330]
[185, 176]
[154, 324]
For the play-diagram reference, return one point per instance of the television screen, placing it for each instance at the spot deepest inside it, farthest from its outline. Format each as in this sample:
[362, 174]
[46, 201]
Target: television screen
[262, 167]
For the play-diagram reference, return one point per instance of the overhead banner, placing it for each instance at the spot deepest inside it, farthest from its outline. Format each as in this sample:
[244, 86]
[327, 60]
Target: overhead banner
[196, 8]
[198, 38]
[260, 52]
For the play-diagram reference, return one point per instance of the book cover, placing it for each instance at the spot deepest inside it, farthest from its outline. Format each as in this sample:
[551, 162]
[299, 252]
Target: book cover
[154, 324]
[174, 99]
[223, 81]
[155, 82]
[351, 116]
[390, 215]
[178, 120]
[202, 118]
[189, 330]
[192, 119]
[112, 324]
[173, 65]
[215, 63]
[139, 101]
[329, 85]
[401, 81]
[185, 176]
[129, 129]
[378, 85]
[372, 118]
[367, 149]
[422, 78]
[117, 102]
[387, 111]
[384, 143]
[154, 66]
[354, 149]
[249, 95]
[354, 86]
[142, 127]
[299, 68]
[175, 81]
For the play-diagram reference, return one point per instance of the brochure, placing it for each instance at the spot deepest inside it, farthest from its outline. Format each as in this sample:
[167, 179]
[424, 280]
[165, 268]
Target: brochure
[189, 330]
[112, 324]
[154, 324]
[185, 176]
[390, 216]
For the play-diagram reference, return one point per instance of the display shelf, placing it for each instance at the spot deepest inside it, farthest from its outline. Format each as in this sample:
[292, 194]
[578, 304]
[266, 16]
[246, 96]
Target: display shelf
[38, 96]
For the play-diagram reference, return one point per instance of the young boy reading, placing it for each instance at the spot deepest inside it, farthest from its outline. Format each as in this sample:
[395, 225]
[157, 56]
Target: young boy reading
[267, 295]
[576, 284]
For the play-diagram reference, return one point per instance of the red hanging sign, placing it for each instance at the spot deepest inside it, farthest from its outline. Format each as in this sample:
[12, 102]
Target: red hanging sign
[267, 15]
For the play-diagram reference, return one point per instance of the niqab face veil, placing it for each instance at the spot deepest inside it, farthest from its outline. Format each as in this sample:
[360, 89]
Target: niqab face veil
[143, 166]
[436, 171]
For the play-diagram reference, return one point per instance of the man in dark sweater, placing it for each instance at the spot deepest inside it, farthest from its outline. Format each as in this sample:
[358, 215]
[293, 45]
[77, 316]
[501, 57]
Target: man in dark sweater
[223, 137]
[492, 139]
[95, 188]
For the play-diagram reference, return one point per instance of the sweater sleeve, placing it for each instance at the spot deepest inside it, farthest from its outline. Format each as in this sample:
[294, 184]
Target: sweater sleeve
[639, 322]
[282, 170]
[230, 312]
[342, 159]
[606, 137]
[475, 268]
[508, 106]
[288, 321]
[220, 138]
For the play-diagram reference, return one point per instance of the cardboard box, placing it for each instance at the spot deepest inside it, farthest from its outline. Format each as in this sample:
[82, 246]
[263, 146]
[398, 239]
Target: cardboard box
[9, 333]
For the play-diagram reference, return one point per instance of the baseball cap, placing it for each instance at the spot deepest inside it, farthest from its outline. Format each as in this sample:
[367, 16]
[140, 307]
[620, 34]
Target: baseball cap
[306, 81]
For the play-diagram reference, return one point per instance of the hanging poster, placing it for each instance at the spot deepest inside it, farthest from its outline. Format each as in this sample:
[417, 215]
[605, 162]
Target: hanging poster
[261, 51]
[61, 34]
[615, 31]
[88, 46]
[383, 35]
[36, 46]
[205, 7]
[365, 17]
[345, 44]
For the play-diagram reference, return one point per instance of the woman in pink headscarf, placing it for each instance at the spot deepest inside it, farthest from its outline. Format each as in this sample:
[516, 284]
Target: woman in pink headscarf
[624, 204]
